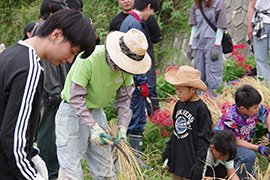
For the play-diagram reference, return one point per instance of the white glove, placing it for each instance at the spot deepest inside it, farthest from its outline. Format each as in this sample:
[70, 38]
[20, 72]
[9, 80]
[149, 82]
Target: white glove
[97, 133]
[122, 133]
[40, 167]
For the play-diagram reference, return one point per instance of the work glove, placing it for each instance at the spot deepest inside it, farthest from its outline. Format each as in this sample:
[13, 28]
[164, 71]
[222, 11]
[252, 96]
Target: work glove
[40, 166]
[189, 53]
[196, 172]
[97, 133]
[264, 150]
[215, 53]
[269, 136]
[144, 90]
[166, 154]
[122, 133]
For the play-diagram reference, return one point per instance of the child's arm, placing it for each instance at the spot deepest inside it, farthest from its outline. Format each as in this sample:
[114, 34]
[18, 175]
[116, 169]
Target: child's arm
[246, 144]
[167, 153]
[232, 174]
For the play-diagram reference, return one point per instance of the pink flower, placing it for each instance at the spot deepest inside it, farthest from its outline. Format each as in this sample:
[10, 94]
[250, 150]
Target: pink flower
[165, 133]
[241, 46]
[169, 68]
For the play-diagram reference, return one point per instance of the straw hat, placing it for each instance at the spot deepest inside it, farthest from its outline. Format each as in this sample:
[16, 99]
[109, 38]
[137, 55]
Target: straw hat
[128, 51]
[186, 76]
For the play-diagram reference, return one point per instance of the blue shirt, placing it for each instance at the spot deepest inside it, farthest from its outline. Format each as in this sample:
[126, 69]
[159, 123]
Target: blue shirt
[134, 21]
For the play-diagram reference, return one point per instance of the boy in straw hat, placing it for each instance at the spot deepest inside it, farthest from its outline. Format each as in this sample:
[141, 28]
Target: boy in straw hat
[89, 86]
[187, 148]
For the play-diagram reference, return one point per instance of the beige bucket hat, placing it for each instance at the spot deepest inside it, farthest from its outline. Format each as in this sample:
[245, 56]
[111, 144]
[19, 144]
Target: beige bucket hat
[128, 51]
[186, 76]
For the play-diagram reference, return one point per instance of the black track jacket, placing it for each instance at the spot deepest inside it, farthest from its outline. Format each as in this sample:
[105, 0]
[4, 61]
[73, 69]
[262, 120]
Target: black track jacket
[21, 82]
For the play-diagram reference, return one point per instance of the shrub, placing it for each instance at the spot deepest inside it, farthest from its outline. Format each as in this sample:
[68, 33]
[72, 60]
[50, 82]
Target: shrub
[238, 66]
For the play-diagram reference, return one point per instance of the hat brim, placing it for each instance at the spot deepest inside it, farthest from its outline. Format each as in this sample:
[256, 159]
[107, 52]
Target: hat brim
[123, 61]
[170, 78]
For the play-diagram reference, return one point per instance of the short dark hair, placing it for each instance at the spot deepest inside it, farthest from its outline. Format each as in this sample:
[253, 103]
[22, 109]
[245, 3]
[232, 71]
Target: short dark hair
[247, 96]
[75, 26]
[224, 142]
[141, 4]
[47, 7]
[75, 4]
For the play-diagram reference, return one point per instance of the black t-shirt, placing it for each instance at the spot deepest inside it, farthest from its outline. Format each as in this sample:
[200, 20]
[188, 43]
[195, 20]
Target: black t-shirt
[189, 141]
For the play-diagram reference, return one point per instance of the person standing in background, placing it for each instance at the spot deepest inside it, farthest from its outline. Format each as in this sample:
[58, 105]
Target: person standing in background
[143, 9]
[152, 32]
[27, 30]
[206, 43]
[258, 30]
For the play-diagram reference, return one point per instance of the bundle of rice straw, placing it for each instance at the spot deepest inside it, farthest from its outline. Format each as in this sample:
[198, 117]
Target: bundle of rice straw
[127, 167]
[218, 105]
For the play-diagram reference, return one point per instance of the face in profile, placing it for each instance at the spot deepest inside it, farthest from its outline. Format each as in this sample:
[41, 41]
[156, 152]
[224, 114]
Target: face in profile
[60, 50]
[252, 110]
[184, 93]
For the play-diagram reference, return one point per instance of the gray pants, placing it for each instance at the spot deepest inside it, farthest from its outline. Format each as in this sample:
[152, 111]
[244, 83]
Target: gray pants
[72, 141]
[211, 72]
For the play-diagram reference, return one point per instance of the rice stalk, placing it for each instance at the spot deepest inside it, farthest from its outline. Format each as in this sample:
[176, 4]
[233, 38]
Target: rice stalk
[126, 167]
[218, 105]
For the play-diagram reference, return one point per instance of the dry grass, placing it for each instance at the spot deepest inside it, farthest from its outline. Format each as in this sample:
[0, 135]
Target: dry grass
[127, 167]
[217, 104]
[220, 103]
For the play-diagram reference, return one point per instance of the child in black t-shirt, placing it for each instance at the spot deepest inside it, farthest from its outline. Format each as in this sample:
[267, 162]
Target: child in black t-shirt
[187, 147]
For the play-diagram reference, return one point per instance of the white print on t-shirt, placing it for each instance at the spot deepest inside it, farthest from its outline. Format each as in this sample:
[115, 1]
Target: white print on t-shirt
[182, 123]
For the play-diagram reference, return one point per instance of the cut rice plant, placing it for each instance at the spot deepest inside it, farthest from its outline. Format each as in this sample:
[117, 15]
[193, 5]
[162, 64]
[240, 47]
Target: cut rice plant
[126, 163]
[218, 105]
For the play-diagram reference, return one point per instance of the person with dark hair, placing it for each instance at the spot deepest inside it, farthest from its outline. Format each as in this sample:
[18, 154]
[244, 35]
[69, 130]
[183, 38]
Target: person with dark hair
[220, 155]
[54, 80]
[89, 86]
[27, 30]
[126, 6]
[143, 9]
[63, 35]
[47, 8]
[205, 42]
[75, 4]
[78, 5]
[242, 118]
[153, 36]
[187, 148]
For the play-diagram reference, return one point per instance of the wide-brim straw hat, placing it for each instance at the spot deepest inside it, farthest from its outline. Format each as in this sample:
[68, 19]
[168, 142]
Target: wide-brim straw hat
[128, 51]
[186, 76]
